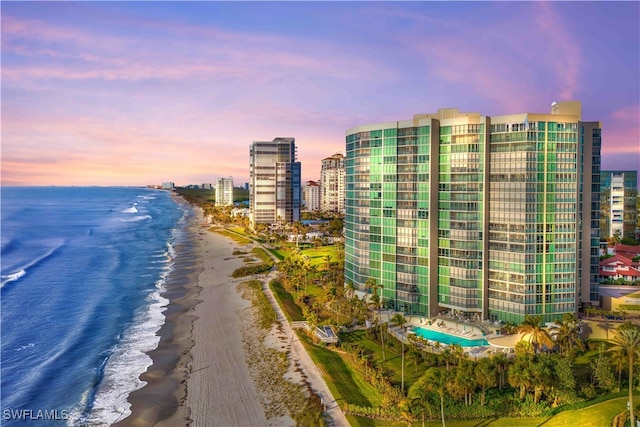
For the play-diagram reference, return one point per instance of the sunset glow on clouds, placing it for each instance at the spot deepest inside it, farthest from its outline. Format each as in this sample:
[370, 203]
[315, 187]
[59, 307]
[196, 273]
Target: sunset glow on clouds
[119, 93]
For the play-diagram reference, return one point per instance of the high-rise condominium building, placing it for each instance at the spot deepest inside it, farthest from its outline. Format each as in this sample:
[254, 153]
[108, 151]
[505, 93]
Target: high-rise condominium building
[491, 216]
[332, 184]
[311, 196]
[274, 187]
[618, 203]
[224, 191]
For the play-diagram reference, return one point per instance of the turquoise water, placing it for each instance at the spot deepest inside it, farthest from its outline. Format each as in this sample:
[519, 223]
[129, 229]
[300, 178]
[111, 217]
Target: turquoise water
[448, 339]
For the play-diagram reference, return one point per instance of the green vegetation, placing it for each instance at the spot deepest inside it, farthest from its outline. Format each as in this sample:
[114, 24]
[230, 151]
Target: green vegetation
[202, 196]
[252, 290]
[263, 267]
[343, 377]
[291, 310]
[262, 255]
[197, 196]
[249, 270]
[536, 387]
[269, 367]
[241, 240]
[380, 380]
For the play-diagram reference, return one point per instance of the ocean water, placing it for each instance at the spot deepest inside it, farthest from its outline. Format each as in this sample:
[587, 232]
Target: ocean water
[83, 270]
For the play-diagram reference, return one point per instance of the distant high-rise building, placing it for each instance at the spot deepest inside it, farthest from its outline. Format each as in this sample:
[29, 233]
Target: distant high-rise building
[168, 185]
[332, 184]
[274, 182]
[618, 203]
[224, 191]
[496, 217]
[311, 196]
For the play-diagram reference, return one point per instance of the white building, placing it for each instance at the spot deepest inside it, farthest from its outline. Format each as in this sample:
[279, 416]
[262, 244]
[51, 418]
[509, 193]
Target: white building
[311, 196]
[332, 184]
[224, 191]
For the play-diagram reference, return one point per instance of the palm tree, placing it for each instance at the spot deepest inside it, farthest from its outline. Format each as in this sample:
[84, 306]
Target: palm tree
[399, 321]
[437, 379]
[619, 359]
[501, 362]
[348, 293]
[542, 373]
[485, 376]
[373, 286]
[312, 270]
[447, 356]
[568, 334]
[405, 411]
[538, 336]
[457, 352]
[628, 341]
[465, 380]
[520, 375]
[420, 398]
[330, 295]
[327, 259]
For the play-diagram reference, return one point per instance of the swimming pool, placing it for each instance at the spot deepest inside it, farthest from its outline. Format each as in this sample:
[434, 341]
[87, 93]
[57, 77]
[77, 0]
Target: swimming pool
[448, 339]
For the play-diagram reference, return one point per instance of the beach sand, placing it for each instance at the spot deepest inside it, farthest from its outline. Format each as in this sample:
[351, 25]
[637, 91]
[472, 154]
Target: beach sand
[201, 373]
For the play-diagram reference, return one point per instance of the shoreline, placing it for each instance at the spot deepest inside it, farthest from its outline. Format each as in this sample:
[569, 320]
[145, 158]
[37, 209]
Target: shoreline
[214, 365]
[200, 374]
[163, 395]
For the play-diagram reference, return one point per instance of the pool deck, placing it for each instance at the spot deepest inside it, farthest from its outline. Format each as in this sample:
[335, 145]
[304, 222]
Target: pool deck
[472, 331]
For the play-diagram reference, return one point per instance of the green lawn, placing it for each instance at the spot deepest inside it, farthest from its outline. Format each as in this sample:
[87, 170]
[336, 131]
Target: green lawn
[286, 302]
[344, 380]
[277, 253]
[393, 356]
[241, 240]
[598, 415]
[316, 256]
[262, 255]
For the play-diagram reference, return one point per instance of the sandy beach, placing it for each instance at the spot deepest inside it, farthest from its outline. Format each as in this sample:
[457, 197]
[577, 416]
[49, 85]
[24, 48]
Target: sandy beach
[214, 365]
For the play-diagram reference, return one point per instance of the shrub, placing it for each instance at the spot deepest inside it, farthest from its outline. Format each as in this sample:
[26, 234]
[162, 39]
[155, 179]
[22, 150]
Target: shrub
[251, 269]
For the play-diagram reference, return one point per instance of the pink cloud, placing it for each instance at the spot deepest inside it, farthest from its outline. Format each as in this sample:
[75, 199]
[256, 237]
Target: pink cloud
[198, 52]
[621, 134]
[629, 113]
[564, 51]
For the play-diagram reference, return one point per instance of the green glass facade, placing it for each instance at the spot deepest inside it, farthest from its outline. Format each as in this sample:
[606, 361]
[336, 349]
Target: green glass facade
[387, 206]
[474, 214]
[461, 218]
[533, 237]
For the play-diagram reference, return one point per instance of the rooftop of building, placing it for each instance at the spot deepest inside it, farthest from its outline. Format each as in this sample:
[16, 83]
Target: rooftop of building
[627, 251]
[568, 110]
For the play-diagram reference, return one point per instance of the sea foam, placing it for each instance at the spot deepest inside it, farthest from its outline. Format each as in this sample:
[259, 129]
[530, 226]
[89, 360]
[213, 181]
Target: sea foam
[127, 362]
[11, 277]
[54, 245]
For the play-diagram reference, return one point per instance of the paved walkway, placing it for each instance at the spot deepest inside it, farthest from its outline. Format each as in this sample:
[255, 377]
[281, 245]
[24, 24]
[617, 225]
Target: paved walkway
[300, 355]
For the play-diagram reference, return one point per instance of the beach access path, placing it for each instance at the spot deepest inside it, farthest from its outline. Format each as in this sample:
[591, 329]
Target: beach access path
[300, 355]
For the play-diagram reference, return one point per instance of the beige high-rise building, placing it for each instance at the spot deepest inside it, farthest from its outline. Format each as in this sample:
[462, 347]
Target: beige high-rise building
[224, 191]
[274, 182]
[332, 184]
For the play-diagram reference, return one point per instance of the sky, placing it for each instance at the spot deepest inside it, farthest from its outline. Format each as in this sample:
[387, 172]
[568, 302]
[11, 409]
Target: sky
[138, 93]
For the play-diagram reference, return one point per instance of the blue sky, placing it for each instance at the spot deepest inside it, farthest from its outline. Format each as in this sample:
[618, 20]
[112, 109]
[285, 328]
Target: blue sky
[129, 93]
